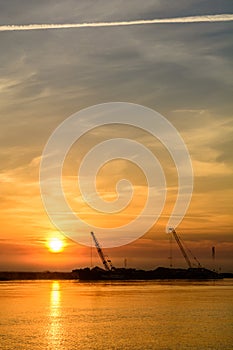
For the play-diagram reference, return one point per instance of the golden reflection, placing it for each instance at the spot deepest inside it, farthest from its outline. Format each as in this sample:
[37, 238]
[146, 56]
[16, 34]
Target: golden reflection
[54, 331]
[55, 295]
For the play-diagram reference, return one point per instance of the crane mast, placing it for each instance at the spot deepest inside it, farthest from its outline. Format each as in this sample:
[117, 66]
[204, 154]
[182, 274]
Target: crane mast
[106, 262]
[181, 248]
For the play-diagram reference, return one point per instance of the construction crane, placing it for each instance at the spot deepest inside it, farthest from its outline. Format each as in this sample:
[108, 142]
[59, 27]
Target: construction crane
[181, 247]
[104, 258]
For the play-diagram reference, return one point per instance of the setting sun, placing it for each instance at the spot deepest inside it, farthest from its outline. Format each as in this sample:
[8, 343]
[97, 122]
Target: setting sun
[55, 245]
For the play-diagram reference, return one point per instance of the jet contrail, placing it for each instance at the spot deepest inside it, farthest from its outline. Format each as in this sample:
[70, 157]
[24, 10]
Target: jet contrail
[189, 19]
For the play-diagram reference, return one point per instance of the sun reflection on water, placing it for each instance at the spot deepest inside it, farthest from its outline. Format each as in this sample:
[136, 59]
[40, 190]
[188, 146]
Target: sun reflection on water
[55, 295]
[54, 331]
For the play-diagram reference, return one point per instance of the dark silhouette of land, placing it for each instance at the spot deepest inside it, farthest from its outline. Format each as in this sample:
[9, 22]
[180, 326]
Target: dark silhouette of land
[160, 273]
[46, 275]
[96, 273]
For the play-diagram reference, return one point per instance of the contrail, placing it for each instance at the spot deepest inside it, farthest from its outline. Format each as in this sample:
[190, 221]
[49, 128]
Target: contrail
[189, 19]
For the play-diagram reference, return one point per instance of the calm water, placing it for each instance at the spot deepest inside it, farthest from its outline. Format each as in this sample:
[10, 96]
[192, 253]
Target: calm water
[130, 315]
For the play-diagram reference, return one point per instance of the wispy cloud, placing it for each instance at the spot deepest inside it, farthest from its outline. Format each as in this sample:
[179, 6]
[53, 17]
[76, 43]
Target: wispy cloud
[188, 19]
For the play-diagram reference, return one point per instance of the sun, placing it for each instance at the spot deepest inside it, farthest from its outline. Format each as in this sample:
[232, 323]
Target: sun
[55, 245]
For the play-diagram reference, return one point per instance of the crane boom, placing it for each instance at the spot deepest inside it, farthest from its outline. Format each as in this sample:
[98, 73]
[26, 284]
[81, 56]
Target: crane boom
[181, 248]
[106, 262]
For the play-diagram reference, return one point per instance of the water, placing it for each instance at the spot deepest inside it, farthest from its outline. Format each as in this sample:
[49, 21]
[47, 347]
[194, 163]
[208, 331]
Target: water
[69, 315]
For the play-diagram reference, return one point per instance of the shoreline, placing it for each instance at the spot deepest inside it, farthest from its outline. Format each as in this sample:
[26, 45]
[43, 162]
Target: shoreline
[167, 273]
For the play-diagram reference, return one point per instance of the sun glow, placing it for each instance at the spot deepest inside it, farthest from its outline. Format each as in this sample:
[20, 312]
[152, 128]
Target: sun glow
[55, 245]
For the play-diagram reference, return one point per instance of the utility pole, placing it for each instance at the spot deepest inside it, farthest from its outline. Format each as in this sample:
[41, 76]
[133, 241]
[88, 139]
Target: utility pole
[213, 257]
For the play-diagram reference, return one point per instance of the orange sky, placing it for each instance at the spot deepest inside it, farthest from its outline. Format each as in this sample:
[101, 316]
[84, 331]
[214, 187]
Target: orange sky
[27, 227]
[46, 76]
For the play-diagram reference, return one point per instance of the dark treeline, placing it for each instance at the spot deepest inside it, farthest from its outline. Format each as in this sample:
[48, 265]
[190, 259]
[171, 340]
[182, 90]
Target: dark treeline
[125, 274]
[46, 275]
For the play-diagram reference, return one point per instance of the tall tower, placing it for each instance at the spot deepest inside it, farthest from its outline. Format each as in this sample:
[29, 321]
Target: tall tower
[213, 257]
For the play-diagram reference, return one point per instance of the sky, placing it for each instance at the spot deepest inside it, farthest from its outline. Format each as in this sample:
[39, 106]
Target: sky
[182, 70]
